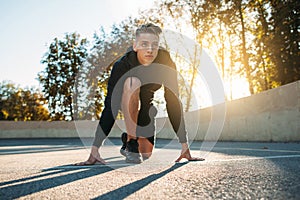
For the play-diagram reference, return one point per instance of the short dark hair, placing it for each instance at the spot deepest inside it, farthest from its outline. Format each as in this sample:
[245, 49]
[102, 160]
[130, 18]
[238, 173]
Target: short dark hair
[148, 28]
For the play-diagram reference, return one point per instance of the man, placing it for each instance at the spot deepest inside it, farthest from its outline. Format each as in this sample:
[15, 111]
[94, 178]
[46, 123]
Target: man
[134, 79]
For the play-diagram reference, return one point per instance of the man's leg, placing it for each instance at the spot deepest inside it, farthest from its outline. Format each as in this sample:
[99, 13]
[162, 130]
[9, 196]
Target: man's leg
[130, 105]
[130, 108]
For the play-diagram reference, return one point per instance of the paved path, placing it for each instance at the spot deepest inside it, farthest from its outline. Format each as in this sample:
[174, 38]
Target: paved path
[42, 169]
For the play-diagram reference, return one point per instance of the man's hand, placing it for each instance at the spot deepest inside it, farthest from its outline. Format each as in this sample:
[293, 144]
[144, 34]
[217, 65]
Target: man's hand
[93, 158]
[185, 153]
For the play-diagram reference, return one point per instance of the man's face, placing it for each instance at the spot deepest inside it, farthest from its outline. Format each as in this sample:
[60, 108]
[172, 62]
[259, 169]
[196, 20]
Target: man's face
[146, 46]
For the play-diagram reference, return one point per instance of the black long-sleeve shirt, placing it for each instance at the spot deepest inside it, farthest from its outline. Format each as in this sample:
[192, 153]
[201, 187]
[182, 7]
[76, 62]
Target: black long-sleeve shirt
[152, 77]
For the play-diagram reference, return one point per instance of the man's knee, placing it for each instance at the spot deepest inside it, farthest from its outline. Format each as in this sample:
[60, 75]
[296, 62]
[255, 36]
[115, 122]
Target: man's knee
[146, 155]
[131, 85]
[131, 93]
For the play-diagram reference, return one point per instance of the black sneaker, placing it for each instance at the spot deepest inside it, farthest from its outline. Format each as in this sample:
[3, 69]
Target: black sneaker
[124, 141]
[132, 153]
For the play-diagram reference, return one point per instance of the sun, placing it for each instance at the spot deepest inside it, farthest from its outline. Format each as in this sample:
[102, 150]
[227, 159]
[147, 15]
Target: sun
[236, 88]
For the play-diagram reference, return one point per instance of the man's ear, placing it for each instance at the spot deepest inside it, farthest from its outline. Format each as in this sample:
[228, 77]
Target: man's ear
[134, 46]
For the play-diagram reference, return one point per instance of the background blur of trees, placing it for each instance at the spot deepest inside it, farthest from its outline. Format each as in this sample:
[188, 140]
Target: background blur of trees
[21, 104]
[93, 76]
[63, 61]
[258, 40]
[255, 39]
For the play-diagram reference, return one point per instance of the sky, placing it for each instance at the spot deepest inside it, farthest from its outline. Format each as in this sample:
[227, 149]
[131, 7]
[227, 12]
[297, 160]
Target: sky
[27, 27]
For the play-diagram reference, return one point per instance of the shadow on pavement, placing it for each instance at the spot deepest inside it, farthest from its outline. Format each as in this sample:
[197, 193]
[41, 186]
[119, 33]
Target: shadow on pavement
[131, 188]
[35, 184]
[29, 150]
[56, 176]
[39, 145]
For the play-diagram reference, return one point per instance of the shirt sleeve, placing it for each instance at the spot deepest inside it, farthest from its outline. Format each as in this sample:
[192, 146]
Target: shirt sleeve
[173, 103]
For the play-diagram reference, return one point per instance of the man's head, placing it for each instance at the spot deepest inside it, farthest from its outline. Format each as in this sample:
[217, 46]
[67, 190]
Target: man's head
[146, 43]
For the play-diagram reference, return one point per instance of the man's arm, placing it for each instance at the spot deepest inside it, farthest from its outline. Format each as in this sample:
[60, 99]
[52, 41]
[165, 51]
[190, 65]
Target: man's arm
[111, 106]
[108, 115]
[174, 106]
[175, 111]
[106, 122]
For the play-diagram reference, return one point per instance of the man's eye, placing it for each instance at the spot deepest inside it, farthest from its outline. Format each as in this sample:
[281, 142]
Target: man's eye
[144, 44]
[155, 45]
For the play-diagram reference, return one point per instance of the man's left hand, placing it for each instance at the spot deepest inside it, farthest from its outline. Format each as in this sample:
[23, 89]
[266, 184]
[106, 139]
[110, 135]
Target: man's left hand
[187, 155]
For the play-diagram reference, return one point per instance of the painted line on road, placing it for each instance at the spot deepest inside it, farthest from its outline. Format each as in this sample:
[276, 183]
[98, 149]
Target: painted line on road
[250, 149]
[255, 158]
[38, 150]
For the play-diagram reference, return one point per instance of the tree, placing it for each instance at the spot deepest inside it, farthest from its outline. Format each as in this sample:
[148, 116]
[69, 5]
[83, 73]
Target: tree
[285, 42]
[93, 77]
[63, 60]
[261, 38]
[21, 104]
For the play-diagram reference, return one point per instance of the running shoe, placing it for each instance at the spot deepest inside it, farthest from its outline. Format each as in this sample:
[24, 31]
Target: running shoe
[132, 153]
[124, 144]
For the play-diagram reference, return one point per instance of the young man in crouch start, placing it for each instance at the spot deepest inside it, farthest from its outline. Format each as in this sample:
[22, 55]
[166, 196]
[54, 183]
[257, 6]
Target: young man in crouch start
[134, 78]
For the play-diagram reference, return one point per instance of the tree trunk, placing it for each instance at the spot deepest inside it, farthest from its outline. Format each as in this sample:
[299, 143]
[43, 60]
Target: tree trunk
[245, 56]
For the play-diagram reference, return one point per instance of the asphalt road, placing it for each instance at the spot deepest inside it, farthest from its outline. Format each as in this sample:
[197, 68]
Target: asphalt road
[43, 169]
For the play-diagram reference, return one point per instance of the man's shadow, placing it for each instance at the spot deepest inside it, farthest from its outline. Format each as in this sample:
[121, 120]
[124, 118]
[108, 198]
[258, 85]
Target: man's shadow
[60, 175]
[49, 178]
[130, 188]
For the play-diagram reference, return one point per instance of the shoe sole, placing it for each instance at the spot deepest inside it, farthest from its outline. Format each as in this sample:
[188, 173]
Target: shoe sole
[136, 160]
[133, 161]
[123, 153]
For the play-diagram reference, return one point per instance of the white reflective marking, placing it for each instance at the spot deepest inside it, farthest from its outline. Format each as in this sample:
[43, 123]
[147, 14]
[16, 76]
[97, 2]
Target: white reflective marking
[255, 158]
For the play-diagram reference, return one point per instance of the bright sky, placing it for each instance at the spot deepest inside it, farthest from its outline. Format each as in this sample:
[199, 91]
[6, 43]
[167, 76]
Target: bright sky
[27, 27]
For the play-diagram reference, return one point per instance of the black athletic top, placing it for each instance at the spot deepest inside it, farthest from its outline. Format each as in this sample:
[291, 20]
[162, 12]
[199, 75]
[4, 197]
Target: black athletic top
[161, 72]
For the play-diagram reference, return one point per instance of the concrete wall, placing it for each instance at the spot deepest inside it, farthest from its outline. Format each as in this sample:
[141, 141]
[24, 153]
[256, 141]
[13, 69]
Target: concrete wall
[272, 115]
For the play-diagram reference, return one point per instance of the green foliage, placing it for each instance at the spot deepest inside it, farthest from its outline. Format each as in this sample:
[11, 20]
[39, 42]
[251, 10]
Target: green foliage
[21, 104]
[285, 43]
[277, 43]
[63, 60]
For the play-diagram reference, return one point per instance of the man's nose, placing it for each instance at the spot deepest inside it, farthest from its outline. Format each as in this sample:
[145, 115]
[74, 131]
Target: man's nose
[150, 48]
